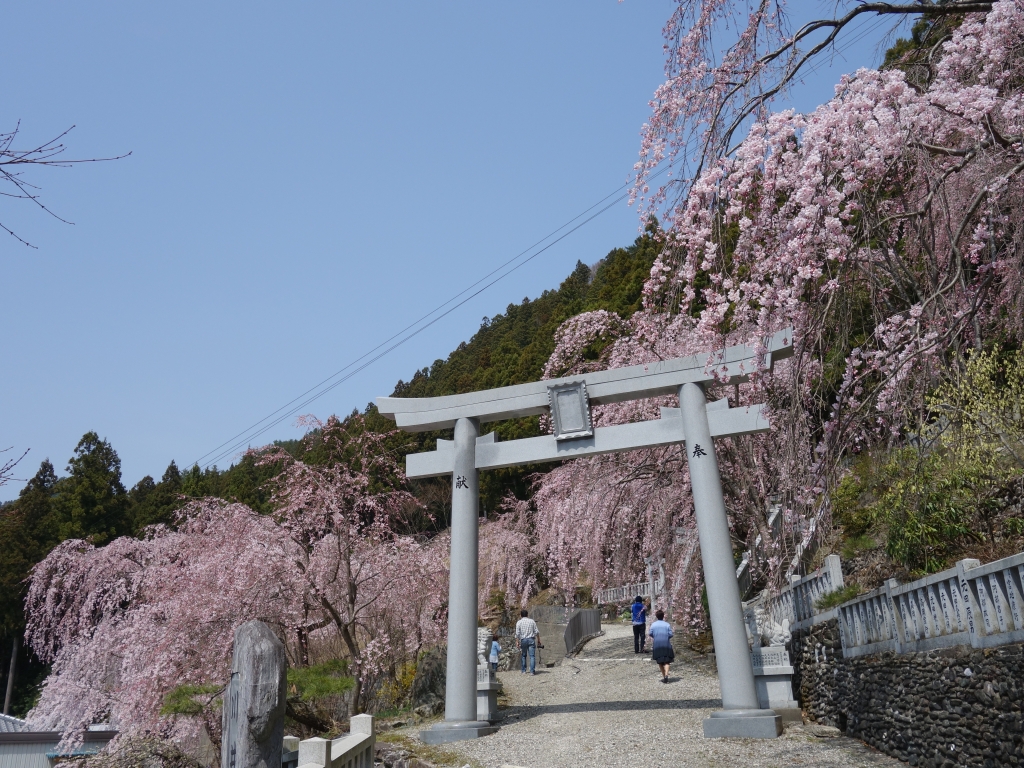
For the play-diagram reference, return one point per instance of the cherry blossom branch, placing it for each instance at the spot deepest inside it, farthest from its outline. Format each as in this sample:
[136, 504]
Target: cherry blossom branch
[699, 100]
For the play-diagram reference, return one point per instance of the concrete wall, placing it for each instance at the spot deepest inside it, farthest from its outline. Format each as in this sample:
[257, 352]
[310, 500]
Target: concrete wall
[956, 706]
[26, 754]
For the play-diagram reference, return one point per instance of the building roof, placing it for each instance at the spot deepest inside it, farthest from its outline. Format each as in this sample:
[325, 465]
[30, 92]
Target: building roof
[10, 724]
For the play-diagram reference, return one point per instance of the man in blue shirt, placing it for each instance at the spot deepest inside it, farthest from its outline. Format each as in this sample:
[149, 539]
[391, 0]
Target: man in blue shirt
[639, 624]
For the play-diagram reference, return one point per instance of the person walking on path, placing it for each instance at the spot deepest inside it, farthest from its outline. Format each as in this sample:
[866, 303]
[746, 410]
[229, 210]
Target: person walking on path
[663, 653]
[639, 612]
[528, 637]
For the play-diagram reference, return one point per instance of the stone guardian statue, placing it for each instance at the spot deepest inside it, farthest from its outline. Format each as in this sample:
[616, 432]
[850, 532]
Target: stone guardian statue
[483, 647]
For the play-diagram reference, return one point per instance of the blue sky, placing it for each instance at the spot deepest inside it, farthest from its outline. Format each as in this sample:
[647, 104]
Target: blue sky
[305, 180]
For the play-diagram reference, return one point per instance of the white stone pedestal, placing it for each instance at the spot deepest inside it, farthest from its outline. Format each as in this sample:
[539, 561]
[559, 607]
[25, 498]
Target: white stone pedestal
[487, 689]
[773, 679]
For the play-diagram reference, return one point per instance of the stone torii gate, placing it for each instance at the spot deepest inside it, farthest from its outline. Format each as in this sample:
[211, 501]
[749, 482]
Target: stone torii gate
[568, 400]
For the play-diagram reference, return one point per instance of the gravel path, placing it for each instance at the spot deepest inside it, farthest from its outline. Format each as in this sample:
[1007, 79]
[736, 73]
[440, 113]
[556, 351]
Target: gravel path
[609, 707]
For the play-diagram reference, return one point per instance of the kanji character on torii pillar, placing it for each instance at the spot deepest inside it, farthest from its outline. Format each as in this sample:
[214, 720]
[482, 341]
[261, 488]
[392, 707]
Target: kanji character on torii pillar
[695, 422]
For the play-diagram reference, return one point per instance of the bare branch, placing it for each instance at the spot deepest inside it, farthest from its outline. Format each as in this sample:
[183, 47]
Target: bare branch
[7, 468]
[47, 154]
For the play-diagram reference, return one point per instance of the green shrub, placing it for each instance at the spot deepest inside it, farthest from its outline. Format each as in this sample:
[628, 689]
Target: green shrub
[931, 500]
[930, 508]
[394, 692]
[190, 699]
[837, 597]
[851, 499]
[321, 680]
[857, 544]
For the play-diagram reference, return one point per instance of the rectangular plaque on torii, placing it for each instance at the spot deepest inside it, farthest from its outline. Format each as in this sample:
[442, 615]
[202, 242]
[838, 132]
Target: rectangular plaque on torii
[569, 400]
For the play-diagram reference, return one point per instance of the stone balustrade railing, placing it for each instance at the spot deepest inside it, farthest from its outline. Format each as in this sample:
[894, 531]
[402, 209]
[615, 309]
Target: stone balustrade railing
[796, 601]
[655, 586]
[759, 550]
[650, 589]
[866, 624]
[969, 604]
[998, 590]
[628, 592]
[352, 751]
[807, 590]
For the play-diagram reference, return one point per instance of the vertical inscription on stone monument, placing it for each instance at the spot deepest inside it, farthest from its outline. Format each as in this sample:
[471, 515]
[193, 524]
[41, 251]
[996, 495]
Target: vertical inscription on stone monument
[944, 602]
[965, 589]
[906, 621]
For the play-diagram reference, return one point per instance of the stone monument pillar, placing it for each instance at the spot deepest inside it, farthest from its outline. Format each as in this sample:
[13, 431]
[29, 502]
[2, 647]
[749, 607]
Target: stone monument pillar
[460, 706]
[253, 718]
[740, 714]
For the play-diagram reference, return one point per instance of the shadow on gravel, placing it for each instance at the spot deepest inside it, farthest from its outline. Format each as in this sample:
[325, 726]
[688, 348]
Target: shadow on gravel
[521, 713]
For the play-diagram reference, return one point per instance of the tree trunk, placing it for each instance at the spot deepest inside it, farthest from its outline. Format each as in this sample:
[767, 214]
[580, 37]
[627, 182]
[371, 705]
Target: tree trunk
[10, 675]
[353, 703]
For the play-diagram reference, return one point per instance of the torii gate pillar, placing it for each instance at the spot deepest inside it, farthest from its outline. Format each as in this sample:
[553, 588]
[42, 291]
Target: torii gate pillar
[460, 712]
[740, 715]
[460, 718]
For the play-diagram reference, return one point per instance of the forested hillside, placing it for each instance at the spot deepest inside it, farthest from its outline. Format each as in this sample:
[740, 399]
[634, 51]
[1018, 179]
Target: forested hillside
[512, 348]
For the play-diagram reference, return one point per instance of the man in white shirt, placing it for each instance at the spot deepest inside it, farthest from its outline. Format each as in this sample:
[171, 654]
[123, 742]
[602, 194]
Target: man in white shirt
[528, 638]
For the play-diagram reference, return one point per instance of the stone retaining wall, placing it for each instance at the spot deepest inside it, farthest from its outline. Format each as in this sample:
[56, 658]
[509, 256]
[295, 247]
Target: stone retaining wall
[956, 706]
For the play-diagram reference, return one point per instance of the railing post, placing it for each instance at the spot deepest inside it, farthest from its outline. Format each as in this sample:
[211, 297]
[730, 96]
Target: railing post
[845, 640]
[895, 618]
[315, 751]
[365, 725]
[362, 724]
[833, 566]
[971, 608]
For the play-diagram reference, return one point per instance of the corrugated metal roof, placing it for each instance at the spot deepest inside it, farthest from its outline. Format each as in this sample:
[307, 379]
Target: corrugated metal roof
[10, 724]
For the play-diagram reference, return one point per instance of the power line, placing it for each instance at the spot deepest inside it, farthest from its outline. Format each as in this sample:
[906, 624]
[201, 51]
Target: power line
[245, 437]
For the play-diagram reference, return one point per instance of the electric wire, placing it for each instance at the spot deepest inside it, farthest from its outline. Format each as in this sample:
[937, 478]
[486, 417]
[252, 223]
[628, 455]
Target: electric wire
[247, 436]
[408, 327]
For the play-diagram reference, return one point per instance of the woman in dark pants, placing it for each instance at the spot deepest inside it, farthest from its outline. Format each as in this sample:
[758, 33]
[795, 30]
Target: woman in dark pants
[639, 624]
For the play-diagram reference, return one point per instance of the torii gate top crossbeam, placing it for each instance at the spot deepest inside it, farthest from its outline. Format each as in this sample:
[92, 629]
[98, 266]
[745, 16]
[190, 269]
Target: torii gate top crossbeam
[421, 414]
[616, 385]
